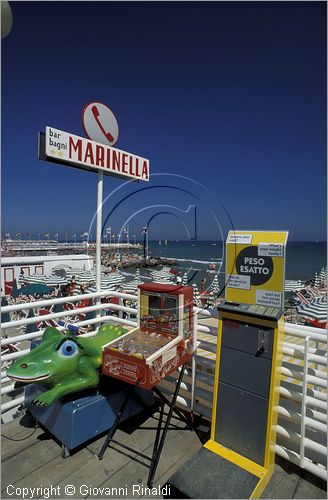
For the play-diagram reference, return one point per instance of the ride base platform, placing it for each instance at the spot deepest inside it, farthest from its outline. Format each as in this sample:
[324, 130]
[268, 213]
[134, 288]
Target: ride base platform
[79, 417]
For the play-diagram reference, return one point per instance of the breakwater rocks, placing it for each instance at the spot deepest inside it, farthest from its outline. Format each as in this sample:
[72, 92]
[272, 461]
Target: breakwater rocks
[134, 262]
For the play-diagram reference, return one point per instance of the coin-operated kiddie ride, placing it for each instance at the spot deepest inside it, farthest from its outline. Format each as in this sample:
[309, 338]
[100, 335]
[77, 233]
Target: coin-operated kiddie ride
[238, 459]
[65, 393]
[163, 342]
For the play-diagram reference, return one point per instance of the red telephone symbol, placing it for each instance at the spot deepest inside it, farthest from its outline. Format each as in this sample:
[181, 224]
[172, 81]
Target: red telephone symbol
[95, 113]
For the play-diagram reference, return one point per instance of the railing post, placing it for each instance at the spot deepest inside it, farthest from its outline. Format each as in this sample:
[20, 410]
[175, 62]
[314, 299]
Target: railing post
[121, 303]
[193, 364]
[303, 412]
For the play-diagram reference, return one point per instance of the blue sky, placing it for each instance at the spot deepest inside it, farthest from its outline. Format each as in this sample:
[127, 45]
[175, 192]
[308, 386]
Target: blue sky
[229, 94]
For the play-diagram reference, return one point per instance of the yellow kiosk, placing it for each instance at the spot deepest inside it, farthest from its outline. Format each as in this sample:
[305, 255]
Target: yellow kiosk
[238, 460]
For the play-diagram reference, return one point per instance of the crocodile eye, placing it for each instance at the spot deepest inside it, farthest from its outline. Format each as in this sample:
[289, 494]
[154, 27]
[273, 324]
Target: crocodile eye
[68, 348]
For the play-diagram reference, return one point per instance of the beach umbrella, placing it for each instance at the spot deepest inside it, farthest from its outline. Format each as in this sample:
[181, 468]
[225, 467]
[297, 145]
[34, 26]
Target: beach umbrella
[210, 300]
[55, 280]
[31, 327]
[316, 281]
[316, 309]
[90, 315]
[103, 288]
[14, 291]
[74, 271]
[294, 285]
[185, 280]
[86, 277]
[130, 287]
[137, 277]
[5, 317]
[22, 278]
[196, 293]
[114, 278]
[323, 276]
[35, 278]
[215, 285]
[58, 308]
[35, 288]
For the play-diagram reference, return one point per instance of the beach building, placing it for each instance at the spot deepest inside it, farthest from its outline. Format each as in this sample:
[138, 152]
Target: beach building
[11, 267]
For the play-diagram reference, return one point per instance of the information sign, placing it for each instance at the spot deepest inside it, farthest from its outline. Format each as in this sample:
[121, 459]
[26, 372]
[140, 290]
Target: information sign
[255, 267]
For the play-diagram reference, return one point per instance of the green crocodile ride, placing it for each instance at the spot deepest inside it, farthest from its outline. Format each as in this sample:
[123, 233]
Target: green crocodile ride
[65, 363]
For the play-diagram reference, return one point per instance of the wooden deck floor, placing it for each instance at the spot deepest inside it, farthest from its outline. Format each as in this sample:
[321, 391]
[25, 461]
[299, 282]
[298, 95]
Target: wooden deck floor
[32, 459]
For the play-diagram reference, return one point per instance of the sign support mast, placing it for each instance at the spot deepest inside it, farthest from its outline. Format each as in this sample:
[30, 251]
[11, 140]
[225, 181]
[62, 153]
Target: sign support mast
[98, 235]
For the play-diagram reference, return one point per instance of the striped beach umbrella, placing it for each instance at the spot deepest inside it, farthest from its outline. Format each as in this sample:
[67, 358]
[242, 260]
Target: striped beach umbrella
[137, 277]
[316, 309]
[294, 285]
[185, 279]
[55, 281]
[316, 281]
[215, 285]
[85, 277]
[162, 276]
[103, 287]
[74, 271]
[196, 293]
[323, 277]
[130, 287]
[115, 278]
[210, 300]
[35, 278]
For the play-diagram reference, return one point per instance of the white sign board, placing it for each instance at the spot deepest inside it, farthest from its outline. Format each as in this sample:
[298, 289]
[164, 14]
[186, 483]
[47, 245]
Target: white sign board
[268, 298]
[100, 124]
[241, 239]
[79, 152]
[236, 281]
[271, 249]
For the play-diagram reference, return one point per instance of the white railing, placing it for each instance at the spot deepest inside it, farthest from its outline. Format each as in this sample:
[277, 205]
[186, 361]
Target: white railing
[7, 387]
[302, 409]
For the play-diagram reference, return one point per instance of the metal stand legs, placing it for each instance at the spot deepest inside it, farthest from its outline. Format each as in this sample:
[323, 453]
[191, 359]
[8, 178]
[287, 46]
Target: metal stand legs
[160, 432]
[115, 424]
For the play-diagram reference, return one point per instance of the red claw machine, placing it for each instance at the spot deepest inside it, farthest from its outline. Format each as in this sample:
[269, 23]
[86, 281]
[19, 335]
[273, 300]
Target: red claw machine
[163, 340]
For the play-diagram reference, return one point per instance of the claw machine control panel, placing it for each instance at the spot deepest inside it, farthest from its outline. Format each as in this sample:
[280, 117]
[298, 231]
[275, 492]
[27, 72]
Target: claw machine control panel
[163, 340]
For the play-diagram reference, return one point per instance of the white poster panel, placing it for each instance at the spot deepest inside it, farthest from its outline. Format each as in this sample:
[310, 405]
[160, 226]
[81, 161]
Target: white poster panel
[238, 281]
[268, 298]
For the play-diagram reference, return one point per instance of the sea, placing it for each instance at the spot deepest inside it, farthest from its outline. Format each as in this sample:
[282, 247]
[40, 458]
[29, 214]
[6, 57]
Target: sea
[303, 258]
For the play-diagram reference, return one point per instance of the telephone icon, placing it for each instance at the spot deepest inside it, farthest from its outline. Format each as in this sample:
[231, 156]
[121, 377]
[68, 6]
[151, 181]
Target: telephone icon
[95, 113]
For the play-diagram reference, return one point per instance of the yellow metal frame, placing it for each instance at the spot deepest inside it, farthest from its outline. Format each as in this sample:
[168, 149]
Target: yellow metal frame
[264, 472]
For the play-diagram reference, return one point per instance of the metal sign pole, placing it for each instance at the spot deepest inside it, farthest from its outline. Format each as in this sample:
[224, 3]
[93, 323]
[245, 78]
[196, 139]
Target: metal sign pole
[98, 234]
